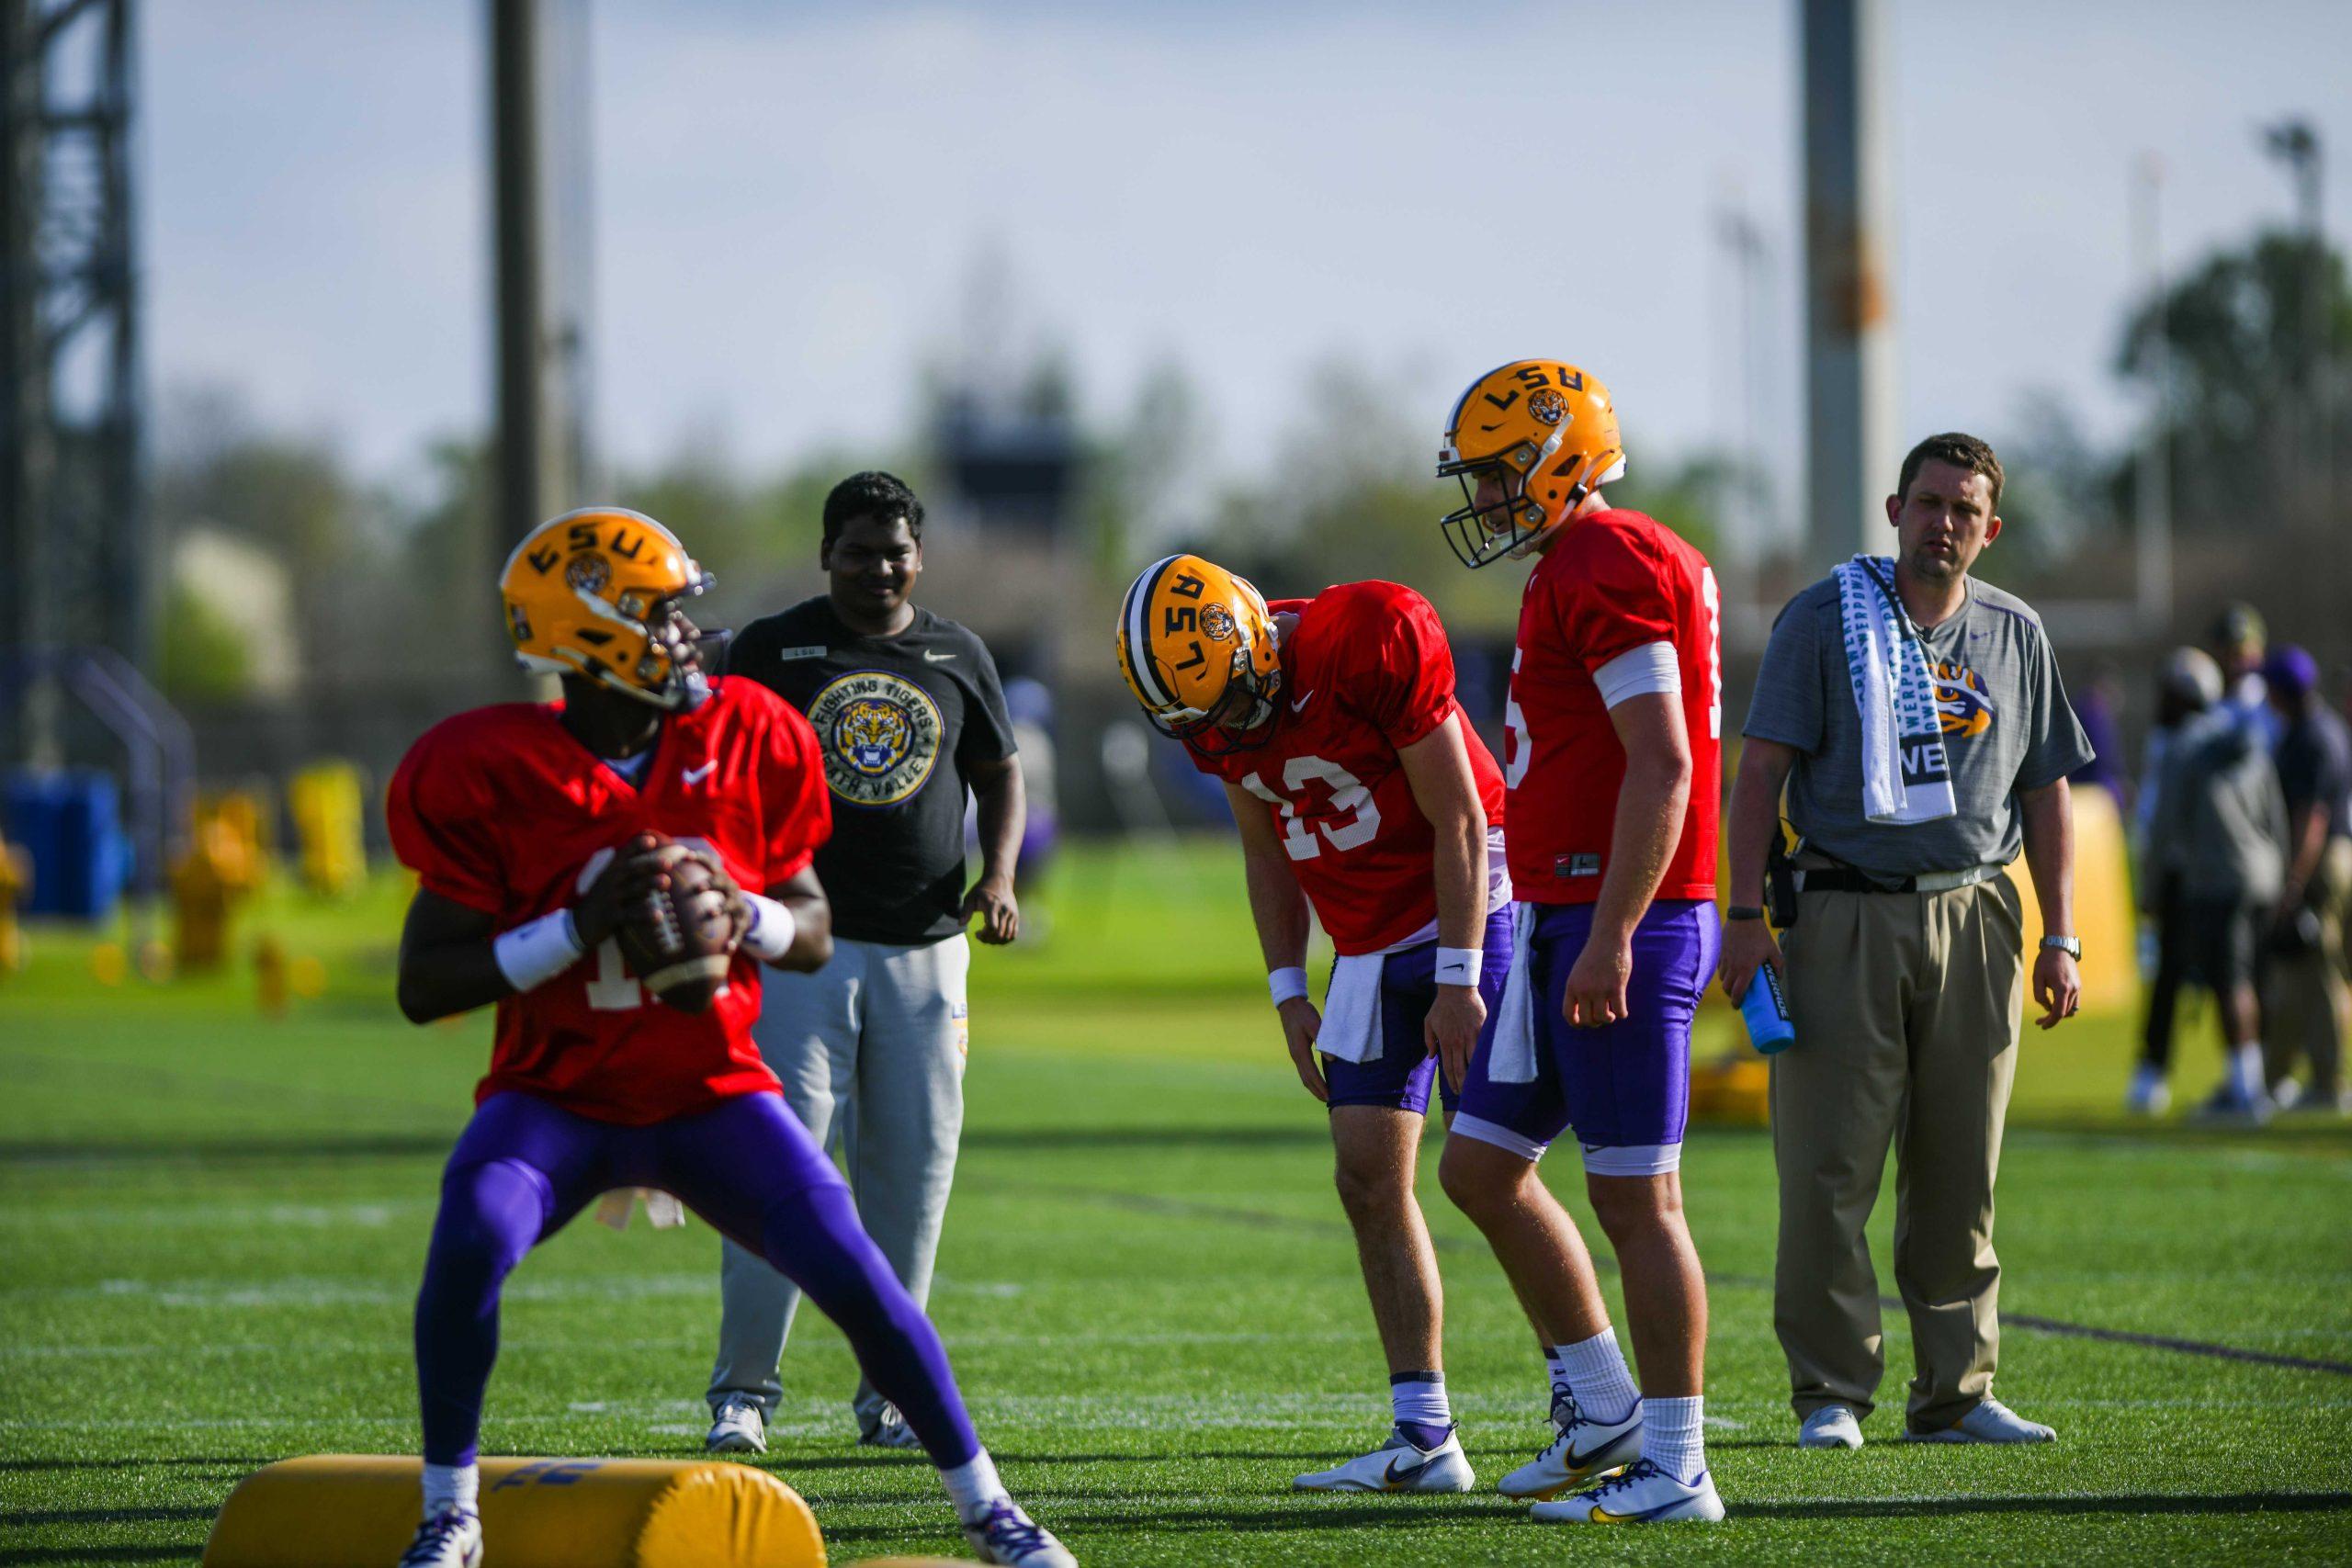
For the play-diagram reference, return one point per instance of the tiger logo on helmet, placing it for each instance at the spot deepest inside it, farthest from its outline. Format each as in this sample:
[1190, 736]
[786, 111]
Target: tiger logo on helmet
[1528, 442]
[1197, 646]
[598, 594]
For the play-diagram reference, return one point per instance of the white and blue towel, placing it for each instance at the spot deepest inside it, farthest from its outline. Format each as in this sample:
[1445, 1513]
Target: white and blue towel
[1907, 773]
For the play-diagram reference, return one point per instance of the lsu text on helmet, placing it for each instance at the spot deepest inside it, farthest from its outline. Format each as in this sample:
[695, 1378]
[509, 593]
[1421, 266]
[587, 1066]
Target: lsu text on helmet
[1197, 647]
[1528, 442]
[598, 594]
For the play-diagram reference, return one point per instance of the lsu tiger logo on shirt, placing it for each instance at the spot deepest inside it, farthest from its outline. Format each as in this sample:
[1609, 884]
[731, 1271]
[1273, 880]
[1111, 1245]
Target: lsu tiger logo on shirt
[1964, 705]
[880, 734]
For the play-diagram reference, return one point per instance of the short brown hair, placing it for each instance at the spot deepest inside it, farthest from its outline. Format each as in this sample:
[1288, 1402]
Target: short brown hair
[1961, 452]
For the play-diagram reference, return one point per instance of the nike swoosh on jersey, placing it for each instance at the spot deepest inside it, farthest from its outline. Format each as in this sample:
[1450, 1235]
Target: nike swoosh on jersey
[932, 658]
[1300, 704]
[696, 776]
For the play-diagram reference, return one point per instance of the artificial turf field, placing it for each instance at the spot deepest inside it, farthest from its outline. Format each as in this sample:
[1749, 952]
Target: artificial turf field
[212, 1226]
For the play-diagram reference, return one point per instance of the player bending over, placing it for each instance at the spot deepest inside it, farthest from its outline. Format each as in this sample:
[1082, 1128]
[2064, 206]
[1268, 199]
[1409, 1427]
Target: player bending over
[534, 830]
[1361, 791]
[1612, 726]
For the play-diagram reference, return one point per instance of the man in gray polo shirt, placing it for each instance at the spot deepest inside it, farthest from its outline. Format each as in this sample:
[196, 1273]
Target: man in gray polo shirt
[1904, 966]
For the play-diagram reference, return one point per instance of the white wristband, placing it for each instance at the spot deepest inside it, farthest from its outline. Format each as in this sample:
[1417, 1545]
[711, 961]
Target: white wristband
[1287, 984]
[769, 936]
[537, 951]
[1460, 966]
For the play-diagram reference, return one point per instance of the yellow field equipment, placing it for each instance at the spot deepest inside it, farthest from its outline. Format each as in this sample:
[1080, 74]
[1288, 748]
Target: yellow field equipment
[16, 884]
[327, 801]
[359, 1510]
[225, 861]
[1733, 1090]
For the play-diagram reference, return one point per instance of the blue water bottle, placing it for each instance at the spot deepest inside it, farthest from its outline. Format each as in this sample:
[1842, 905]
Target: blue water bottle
[1765, 1009]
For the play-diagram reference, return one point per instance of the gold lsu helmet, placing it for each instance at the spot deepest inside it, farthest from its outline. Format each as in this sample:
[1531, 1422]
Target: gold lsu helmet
[1197, 646]
[597, 593]
[1533, 437]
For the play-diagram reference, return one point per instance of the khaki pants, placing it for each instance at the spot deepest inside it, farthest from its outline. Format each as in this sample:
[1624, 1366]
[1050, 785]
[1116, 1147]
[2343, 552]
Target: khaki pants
[1907, 1007]
[2304, 1000]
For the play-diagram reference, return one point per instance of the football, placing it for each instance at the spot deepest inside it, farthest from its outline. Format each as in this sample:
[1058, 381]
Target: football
[680, 941]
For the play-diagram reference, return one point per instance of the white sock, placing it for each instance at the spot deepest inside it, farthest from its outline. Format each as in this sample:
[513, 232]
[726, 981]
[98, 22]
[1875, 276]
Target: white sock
[973, 1486]
[1673, 1435]
[1597, 1376]
[2246, 1068]
[451, 1486]
[1556, 1368]
[1420, 1396]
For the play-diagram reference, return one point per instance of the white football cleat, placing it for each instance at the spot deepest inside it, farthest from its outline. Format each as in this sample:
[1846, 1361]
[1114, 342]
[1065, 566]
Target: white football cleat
[2148, 1095]
[1398, 1465]
[451, 1538]
[1642, 1494]
[1006, 1535]
[739, 1427]
[889, 1431]
[1831, 1426]
[1990, 1422]
[1585, 1450]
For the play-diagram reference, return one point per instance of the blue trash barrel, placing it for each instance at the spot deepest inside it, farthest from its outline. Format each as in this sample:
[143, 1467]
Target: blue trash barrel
[71, 823]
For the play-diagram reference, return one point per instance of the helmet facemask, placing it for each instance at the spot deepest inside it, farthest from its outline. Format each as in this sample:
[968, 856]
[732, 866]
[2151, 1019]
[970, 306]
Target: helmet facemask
[668, 672]
[1509, 521]
[1241, 719]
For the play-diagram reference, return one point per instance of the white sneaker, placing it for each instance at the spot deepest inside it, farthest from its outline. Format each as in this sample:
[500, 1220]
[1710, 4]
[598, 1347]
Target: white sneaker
[889, 1431]
[739, 1428]
[1006, 1535]
[2148, 1095]
[1640, 1494]
[1831, 1426]
[1398, 1465]
[1990, 1422]
[451, 1538]
[1585, 1450]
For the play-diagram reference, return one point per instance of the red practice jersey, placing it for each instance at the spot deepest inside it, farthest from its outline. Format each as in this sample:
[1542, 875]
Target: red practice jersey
[1366, 671]
[1614, 583]
[504, 811]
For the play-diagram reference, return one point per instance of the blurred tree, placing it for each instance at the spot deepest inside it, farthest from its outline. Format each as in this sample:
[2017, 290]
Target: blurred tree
[2056, 497]
[292, 496]
[202, 656]
[2233, 353]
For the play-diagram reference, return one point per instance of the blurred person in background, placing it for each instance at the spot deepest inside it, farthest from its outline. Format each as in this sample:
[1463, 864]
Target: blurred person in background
[2304, 995]
[2098, 708]
[1031, 706]
[909, 716]
[2237, 641]
[2221, 825]
[2188, 687]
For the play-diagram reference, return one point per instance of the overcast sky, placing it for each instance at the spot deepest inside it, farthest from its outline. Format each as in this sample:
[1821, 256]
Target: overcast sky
[790, 201]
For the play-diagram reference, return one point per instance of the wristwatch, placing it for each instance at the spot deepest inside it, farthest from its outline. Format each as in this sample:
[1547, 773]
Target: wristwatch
[2072, 946]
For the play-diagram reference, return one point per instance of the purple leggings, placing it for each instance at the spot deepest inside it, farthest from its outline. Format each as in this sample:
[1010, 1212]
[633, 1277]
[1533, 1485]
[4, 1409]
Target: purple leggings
[523, 1168]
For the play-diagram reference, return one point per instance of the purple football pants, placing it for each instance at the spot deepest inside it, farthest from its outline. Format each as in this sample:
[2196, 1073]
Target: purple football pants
[523, 1168]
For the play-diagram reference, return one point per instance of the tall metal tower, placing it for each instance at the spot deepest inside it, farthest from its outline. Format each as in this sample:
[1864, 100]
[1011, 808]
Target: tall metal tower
[76, 558]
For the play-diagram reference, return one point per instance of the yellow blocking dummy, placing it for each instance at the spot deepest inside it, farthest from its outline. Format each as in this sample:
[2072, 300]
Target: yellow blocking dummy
[359, 1510]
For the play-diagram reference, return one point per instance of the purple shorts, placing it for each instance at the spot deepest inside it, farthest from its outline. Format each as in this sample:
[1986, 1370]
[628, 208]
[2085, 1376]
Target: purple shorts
[1400, 1076]
[1625, 1089]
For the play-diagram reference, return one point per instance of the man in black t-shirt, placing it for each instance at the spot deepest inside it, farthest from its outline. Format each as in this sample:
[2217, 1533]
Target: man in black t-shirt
[909, 715]
[2305, 1000]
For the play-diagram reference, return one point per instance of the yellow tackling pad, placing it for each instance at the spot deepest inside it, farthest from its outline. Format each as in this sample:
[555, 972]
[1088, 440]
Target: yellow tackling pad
[360, 1510]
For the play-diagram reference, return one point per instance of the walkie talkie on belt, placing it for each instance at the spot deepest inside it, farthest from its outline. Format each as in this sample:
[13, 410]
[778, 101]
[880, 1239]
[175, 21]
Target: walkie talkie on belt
[1780, 881]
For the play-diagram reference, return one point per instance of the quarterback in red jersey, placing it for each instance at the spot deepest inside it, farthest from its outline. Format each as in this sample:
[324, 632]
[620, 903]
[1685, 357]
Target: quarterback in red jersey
[535, 830]
[1613, 766]
[1363, 794]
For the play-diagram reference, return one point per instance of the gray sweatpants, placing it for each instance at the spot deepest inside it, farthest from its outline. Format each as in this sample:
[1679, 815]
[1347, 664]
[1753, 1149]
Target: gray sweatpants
[871, 1052]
